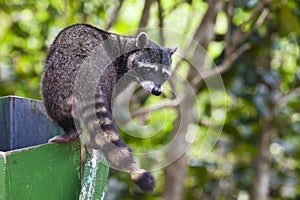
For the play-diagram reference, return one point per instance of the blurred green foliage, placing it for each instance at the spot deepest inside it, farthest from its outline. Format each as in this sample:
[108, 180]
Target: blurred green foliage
[262, 84]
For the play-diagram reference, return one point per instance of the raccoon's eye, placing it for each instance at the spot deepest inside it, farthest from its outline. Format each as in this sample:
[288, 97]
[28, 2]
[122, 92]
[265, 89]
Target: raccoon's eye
[165, 76]
[134, 62]
[148, 69]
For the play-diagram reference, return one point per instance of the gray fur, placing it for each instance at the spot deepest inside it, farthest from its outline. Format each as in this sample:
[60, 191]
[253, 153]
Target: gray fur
[82, 69]
[142, 40]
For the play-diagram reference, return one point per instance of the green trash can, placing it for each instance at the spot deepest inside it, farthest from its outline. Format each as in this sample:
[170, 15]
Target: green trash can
[29, 167]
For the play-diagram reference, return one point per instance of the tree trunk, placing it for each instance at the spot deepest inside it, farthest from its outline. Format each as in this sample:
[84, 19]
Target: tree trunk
[262, 168]
[112, 19]
[176, 171]
[145, 15]
[174, 179]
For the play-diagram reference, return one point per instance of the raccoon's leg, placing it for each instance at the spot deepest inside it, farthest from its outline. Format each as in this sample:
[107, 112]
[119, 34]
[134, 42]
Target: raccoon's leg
[70, 132]
[68, 137]
[109, 142]
[63, 118]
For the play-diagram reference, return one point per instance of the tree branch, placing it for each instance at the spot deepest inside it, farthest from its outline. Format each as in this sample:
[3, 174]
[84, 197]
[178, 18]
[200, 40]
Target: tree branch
[283, 99]
[229, 13]
[259, 9]
[200, 38]
[145, 15]
[161, 105]
[65, 14]
[233, 53]
[161, 23]
[261, 19]
[223, 67]
[114, 16]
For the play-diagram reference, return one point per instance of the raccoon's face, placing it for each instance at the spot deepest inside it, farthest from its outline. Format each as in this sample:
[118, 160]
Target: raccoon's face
[151, 67]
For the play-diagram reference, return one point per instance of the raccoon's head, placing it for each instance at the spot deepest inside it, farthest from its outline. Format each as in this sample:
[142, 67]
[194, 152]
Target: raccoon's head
[151, 64]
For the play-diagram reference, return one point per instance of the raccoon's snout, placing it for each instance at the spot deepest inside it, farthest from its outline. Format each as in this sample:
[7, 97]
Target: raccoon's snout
[152, 88]
[156, 90]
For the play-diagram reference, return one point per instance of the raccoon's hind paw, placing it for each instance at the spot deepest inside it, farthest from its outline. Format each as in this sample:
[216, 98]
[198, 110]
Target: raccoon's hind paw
[68, 137]
[144, 180]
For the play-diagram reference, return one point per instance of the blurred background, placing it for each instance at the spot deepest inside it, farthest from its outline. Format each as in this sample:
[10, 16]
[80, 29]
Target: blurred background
[255, 47]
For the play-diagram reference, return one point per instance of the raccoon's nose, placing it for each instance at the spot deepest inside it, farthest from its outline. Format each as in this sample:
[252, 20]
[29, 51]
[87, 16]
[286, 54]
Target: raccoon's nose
[156, 90]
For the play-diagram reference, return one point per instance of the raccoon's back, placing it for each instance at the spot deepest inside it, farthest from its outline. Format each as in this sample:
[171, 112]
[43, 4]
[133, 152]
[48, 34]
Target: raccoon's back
[68, 51]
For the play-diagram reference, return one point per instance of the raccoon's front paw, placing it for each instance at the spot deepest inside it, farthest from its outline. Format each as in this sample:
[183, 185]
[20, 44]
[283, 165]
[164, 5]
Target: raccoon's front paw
[144, 180]
[70, 136]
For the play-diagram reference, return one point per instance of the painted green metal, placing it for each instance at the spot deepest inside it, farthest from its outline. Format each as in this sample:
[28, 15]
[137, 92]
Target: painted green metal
[31, 169]
[23, 123]
[2, 178]
[45, 172]
[95, 177]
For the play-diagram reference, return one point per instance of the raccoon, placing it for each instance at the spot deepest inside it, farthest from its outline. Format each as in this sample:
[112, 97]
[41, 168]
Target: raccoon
[82, 70]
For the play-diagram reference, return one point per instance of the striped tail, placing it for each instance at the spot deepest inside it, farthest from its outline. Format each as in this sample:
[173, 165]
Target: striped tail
[103, 135]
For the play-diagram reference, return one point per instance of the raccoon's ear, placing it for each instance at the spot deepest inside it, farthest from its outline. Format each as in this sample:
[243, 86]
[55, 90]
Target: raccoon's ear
[142, 40]
[172, 50]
